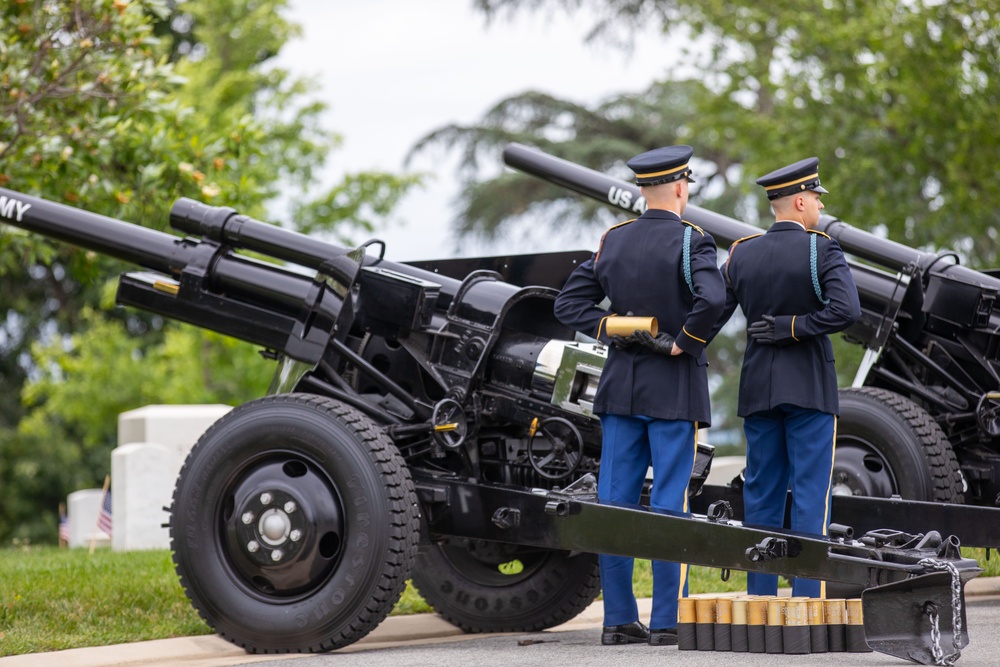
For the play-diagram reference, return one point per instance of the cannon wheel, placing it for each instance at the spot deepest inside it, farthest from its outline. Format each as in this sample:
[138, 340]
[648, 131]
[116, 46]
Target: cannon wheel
[294, 525]
[887, 444]
[483, 586]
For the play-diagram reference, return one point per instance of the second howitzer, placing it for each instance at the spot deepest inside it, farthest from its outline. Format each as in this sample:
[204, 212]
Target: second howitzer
[435, 428]
[922, 417]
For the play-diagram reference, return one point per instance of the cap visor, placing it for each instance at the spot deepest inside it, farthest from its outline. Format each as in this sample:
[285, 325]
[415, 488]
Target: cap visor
[820, 189]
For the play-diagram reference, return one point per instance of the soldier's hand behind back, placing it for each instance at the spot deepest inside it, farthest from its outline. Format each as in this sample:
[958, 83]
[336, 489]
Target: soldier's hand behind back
[663, 343]
[623, 342]
[762, 330]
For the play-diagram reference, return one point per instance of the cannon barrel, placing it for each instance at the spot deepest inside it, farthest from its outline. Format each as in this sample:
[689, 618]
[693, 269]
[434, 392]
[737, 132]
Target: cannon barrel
[224, 225]
[166, 253]
[613, 191]
[128, 242]
[154, 250]
[170, 254]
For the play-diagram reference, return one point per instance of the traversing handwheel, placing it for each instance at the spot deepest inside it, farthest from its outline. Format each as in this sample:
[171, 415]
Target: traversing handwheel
[555, 448]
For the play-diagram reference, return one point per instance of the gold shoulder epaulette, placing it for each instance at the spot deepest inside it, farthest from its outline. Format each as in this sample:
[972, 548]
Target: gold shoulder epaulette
[605, 234]
[745, 238]
[733, 247]
[697, 228]
[816, 231]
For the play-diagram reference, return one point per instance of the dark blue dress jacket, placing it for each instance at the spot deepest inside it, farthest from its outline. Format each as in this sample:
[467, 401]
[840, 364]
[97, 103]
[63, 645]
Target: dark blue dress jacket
[639, 268]
[771, 274]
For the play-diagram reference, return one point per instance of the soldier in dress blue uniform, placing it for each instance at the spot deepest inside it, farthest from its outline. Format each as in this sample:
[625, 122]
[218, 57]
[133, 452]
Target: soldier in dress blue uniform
[653, 391]
[795, 288]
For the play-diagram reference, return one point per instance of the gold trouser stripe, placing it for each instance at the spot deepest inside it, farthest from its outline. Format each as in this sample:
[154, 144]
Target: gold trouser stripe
[829, 485]
[684, 567]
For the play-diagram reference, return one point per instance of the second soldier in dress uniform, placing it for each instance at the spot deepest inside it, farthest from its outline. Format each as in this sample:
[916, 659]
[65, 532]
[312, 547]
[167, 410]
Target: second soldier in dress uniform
[653, 391]
[795, 288]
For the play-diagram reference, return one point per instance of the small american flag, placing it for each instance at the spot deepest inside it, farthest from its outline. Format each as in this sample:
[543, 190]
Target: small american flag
[63, 528]
[104, 517]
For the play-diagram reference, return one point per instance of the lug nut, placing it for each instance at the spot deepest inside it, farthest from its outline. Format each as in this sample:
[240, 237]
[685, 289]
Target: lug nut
[295, 535]
[290, 506]
[252, 546]
[265, 498]
[248, 518]
[276, 555]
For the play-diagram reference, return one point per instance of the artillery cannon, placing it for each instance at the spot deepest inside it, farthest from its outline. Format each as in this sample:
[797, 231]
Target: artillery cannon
[439, 428]
[922, 418]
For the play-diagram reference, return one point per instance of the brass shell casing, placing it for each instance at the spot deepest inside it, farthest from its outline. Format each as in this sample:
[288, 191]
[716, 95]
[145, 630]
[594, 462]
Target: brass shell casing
[740, 610]
[686, 610]
[724, 610]
[756, 612]
[834, 611]
[705, 610]
[626, 326]
[854, 613]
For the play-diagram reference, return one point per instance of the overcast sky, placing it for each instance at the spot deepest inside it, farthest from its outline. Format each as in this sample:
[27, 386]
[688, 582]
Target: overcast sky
[392, 71]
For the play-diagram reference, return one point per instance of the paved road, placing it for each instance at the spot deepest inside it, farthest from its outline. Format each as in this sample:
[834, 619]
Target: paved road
[426, 639]
[580, 647]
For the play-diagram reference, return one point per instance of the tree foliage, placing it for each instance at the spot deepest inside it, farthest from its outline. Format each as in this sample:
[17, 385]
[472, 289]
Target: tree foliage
[120, 107]
[896, 98]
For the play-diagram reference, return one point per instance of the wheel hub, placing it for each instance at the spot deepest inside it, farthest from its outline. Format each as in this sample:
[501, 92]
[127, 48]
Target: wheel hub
[285, 529]
[271, 526]
[860, 470]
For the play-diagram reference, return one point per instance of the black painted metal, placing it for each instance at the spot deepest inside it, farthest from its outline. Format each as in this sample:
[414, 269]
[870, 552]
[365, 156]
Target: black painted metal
[544, 269]
[556, 521]
[974, 526]
[472, 342]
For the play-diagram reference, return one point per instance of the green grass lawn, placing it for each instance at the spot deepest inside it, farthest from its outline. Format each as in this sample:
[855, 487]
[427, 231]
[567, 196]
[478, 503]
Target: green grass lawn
[53, 599]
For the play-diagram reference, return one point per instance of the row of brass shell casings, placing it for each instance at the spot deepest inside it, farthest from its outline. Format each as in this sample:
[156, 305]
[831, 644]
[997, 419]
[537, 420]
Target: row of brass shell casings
[770, 624]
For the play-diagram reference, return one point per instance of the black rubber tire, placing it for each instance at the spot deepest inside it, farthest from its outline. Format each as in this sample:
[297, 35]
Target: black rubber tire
[887, 444]
[465, 583]
[353, 499]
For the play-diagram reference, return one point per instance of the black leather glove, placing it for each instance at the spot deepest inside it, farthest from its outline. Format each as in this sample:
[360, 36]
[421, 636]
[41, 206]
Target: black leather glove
[662, 343]
[623, 342]
[762, 330]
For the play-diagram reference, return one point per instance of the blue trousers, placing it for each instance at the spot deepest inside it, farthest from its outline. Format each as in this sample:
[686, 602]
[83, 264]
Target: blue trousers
[788, 448]
[630, 445]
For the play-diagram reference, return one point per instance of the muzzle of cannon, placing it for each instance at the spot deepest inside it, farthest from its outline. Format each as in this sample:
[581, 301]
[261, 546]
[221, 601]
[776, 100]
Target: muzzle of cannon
[430, 422]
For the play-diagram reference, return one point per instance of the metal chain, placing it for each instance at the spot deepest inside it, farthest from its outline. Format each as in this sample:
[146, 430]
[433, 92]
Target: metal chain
[931, 610]
[956, 613]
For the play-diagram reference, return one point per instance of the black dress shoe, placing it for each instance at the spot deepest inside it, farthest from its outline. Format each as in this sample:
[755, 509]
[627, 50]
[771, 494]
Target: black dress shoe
[630, 633]
[664, 637]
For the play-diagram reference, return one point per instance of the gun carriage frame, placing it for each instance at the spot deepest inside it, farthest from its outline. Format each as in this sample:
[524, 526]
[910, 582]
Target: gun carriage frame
[437, 427]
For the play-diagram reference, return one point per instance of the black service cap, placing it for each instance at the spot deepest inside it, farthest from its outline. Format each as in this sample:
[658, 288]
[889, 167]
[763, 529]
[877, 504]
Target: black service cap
[795, 178]
[662, 165]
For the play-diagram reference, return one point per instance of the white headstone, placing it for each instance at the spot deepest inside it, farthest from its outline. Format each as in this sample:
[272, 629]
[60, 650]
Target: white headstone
[82, 508]
[142, 488]
[176, 427]
[153, 442]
